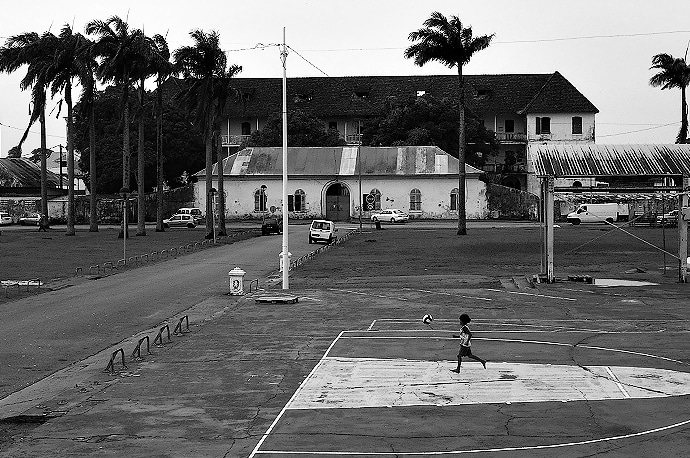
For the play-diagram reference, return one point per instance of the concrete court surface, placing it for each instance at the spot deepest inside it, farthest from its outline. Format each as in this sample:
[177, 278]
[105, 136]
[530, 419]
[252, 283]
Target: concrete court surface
[574, 370]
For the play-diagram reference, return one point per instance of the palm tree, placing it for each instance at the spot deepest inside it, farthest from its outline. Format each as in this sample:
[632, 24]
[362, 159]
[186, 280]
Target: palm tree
[119, 49]
[72, 60]
[202, 65]
[88, 110]
[673, 73]
[143, 70]
[448, 42]
[25, 49]
[224, 91]
[163, 68]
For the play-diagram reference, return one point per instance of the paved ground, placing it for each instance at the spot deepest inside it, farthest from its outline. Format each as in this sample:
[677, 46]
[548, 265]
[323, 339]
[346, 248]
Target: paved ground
[350, 370]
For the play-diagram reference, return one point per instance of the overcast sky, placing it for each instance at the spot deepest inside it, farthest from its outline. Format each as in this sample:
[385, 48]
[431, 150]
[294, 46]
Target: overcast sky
[603, 47]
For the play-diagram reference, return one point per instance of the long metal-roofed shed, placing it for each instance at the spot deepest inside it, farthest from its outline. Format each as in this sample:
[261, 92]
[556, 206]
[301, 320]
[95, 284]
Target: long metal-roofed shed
[636, 169]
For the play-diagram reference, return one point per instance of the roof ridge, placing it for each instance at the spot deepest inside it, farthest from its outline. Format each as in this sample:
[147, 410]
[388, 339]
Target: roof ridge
[541, 89]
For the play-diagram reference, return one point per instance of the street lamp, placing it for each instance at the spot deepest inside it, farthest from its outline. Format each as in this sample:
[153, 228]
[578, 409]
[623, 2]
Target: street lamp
[212, 192]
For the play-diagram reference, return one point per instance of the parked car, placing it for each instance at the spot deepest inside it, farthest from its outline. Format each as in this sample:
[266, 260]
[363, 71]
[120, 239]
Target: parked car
[392, 215]
[5, 219]
[30, 219]
[196, 213]
[322, 230]
[668, 219]
[271, 226]
[179, 221]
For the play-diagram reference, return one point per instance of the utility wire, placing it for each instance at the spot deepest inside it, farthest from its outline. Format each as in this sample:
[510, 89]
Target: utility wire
[638, 130]
[307, 61]
[30, 131]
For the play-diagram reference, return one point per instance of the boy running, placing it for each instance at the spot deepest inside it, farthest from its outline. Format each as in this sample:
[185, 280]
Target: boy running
[465, 337]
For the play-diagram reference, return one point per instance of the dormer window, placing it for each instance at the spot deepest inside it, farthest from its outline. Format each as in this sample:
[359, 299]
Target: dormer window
[303, 98]
[483, 93]
[362, 94]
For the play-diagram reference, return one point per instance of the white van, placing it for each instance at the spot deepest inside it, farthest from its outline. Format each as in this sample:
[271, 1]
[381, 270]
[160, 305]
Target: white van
[322, 230]
[599, 213]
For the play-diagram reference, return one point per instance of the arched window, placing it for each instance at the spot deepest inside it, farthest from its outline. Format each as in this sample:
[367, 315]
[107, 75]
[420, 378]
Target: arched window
[297, 201]
[377, 199]
[454, 199]
[415, 200]
[260, 199]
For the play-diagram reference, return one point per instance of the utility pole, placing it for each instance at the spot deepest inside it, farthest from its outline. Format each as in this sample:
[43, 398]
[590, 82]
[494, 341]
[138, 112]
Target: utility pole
[285, 255]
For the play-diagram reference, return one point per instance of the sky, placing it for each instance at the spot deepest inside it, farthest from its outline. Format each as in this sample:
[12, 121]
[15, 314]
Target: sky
[603, 47]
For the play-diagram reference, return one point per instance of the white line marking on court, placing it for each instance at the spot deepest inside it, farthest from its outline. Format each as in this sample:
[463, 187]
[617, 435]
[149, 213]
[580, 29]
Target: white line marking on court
[541, 342]
[294, 395]
[450, 294]
[531, 294]
[617, 382]
[488, 450]
[371, 326]
[369, 294]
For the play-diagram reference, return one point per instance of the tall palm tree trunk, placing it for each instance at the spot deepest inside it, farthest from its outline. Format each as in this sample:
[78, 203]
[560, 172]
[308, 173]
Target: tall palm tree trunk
[93, 214]
[222, 230]
[44, 167]
[141, 197]
[159, 160]
[462, 213]
[70, 161]
[209, 177]
[125, 155]
[683, 134]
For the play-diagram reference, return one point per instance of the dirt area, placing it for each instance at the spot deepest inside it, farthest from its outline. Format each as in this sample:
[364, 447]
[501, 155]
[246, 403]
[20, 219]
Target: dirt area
[432, 255]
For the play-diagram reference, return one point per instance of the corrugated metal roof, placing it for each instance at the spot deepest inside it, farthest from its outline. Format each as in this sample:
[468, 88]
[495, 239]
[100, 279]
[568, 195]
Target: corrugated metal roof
[342, 161]
[577, 160]
[22, 173]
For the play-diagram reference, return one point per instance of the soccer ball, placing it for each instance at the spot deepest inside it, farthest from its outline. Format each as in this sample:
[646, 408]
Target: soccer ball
[427, 319]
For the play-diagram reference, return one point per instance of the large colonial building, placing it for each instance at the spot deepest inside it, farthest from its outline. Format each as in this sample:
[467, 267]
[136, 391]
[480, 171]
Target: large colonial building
[333, 182]
[520, 109]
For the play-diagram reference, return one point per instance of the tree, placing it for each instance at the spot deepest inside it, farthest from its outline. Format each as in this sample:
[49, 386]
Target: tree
[163, 68]
[450, 43]
[426, 120]
[674, 73]
[26, 49]
[184, 145]
[223, 92]
[304, 129]
[202, 65]
[119, 50]
[72, 59]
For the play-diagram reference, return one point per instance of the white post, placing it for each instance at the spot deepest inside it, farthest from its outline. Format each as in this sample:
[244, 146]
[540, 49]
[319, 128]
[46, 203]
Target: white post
[286, 258]
[124, 227]
[549, 221]
[683, 233]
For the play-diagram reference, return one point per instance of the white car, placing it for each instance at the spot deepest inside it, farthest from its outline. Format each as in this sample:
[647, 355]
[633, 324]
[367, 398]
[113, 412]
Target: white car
[5, 219]
[180, 221]
[392, 215]
[322, 230]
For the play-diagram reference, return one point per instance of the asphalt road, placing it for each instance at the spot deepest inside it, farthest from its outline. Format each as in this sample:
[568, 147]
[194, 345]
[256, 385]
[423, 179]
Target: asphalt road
[44, 333]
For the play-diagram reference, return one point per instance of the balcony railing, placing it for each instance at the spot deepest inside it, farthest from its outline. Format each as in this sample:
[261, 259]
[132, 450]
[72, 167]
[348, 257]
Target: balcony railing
[234, 140]
[353, 139]
[511, 137]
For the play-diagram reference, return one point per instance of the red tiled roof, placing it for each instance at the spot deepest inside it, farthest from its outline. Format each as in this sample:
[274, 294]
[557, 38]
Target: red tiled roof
[366, 95]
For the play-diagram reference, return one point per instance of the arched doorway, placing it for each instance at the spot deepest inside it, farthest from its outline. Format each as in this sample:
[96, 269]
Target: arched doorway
[337, 202]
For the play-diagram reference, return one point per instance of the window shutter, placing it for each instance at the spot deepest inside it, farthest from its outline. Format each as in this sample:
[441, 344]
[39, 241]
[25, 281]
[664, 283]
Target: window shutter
[291, 203]
[538, 124]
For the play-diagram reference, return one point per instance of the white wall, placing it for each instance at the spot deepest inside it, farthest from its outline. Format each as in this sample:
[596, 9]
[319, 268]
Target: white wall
[435, 195]
[561, 127]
